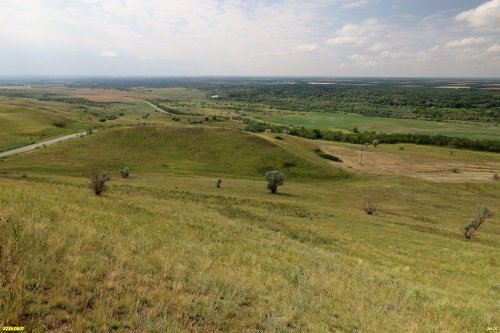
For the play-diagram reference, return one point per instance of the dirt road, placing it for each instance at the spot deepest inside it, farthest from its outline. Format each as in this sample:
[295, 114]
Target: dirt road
[34, 146]
[158, 109]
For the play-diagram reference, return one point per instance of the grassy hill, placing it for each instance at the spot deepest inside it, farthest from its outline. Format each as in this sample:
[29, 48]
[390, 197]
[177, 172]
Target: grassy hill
[165, 250]
[23, 121]
[174, 149]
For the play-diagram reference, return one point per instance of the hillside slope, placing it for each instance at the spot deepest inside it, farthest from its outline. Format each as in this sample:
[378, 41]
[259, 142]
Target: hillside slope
[173, 149]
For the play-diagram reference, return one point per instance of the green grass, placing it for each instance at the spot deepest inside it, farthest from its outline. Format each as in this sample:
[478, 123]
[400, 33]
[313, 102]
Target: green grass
[166, 251]
[178, 149]
[346, 121]
[159, 253]
[24, 121]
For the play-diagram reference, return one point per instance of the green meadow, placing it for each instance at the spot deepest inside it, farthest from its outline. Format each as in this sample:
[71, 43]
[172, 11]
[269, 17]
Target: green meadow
[347, 121]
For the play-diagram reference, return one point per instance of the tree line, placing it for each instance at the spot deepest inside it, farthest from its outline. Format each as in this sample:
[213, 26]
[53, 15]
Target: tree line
[389, 138]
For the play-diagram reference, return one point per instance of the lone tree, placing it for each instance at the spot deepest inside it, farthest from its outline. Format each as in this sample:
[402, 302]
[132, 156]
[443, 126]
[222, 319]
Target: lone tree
[483, 213]
[218, 183]
[274, 179]
[375, 143]
[98, 178]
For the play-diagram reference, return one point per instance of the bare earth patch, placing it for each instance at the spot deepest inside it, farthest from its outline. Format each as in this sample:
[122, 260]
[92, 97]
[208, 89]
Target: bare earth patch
[376, 162]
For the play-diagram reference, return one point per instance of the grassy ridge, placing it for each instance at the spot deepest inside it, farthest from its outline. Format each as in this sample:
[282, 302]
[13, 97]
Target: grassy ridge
[25, 121]
[173, 149]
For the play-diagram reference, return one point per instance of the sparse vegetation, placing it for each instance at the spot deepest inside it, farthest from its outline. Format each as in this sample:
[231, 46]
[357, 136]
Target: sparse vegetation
[274, 179]
[98, 178]
[370, 207]
[124, 172]
[483, 213]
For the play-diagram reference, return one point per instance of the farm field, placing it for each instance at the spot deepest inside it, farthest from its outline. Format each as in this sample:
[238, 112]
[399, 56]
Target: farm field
[346, 121]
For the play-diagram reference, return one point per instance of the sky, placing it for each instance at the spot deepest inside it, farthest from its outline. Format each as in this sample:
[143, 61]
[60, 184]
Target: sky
[449, 38]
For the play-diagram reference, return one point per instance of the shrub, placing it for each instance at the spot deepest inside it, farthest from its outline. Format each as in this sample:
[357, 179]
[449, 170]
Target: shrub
[278, 137]
[330, 157]
[98, 178]
[59, 123]
[274, 179]
[125, 172]
[495, 176]
[219, 182]
[370, 207]
[455, 170]
[483, 213]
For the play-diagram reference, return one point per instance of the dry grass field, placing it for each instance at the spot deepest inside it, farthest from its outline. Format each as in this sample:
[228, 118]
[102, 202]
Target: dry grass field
[377, 162]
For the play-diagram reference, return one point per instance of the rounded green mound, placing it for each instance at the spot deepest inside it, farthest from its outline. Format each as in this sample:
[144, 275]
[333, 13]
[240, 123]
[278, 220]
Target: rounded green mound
[183, 150]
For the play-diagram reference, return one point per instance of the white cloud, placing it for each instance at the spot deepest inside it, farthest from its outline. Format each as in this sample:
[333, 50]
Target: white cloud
[494, 49]
[362, 60]
[469, 41]
[307, 48]
[391, 55]
[377, 47]
[485, 17]
[356, 4]
[239, 37]
[108, 54]
[356, 35]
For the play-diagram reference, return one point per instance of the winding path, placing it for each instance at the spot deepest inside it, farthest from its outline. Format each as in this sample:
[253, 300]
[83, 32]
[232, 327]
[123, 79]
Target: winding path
[158, 109]
[41, 144]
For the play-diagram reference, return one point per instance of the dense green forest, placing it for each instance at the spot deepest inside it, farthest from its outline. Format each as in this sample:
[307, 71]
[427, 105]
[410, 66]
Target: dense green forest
[382, 100]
